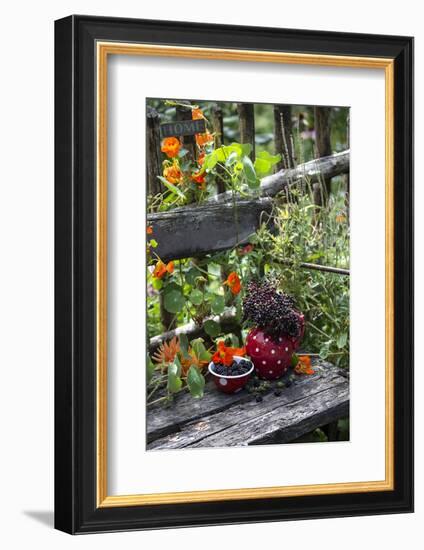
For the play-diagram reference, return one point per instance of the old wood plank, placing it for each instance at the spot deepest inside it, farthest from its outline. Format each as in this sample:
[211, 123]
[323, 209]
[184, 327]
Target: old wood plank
[237, 415]
[153, 154]
[246, 112]
[313, 171]
[283, 424]
[220, 223]
[162, 421]
[198, 230]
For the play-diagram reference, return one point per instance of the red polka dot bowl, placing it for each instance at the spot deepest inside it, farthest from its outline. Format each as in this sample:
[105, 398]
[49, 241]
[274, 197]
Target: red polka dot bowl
[271, 357]
[231, 384]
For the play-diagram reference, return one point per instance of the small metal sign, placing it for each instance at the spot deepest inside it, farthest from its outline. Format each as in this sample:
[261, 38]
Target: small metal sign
[183, 128]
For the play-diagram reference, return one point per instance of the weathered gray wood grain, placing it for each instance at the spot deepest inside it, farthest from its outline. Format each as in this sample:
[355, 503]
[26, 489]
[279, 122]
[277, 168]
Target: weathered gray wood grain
[199, 230]
[286, 422]
[162, 421]
[205, 427]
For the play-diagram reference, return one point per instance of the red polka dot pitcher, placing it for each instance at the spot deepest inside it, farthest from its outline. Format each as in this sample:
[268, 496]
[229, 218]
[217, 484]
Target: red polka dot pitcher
[272, 356]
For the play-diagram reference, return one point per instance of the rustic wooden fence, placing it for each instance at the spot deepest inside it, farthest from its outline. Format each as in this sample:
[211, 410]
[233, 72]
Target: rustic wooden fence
[212, 226]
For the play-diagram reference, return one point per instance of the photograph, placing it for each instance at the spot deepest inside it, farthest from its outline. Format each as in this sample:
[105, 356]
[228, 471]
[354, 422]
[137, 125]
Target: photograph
[247, 273]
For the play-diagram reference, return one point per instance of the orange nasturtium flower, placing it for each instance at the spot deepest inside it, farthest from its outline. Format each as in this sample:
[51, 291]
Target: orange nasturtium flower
[173, 173]
[225, 355]
[171, 146]
[304, 365]
[200, 179]
[233, 281]
[149, 230]
[162, 269]
[203, 139]
[197, 114]
[340, 218]
[201, 158]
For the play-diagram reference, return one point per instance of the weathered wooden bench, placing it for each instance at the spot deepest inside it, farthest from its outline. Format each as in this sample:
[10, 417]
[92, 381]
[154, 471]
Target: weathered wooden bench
[220, 420]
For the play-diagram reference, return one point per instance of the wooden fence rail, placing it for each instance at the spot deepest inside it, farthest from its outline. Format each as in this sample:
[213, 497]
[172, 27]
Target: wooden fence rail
[219, 225]
[313, 171]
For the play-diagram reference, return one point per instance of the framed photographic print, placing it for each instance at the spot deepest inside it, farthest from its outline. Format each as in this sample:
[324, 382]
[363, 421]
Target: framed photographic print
[234, 274]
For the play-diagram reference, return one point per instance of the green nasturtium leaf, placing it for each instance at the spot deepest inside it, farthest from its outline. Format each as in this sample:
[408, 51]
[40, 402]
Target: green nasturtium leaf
[173, 301]
[233, 157]
[342, 340]
[210, 161]
[196, 297]
[173, 188]
[174, 381]
[169, 287]
[324, 351]
[234, 341]
[183, 346]
[195, 382]
[217, 304]
[157, 284]
[262, 167]
[249, 170]
[264, 163]
[191, 275]
[212, 328]
[272, 159]
[199, 349]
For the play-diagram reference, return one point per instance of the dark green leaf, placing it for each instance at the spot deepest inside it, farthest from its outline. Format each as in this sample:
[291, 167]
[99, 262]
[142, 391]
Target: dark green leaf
[249, 171]
[169, 287]
[218, 304]
[212, 328]
[174, 381]
[196, 297]
[184, 345]
[191, 276]
[195, 382]
[342, 340]
[174, 301]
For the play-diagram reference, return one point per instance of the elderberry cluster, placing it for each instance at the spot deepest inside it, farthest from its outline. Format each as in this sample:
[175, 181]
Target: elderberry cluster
[270, 310]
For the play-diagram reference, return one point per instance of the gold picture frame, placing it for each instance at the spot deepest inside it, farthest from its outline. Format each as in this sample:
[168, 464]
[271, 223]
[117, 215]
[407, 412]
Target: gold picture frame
[106, 49]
